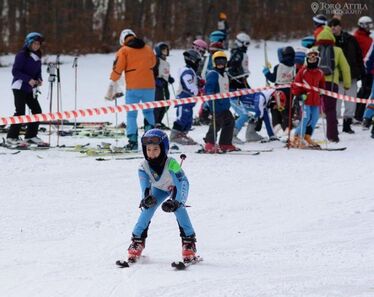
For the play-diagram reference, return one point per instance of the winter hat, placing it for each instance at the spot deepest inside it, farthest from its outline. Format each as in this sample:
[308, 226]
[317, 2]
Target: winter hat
[300, 54]
[334, 22]
[216, 46]
[319, 20]
[315, 53]
[308, 41]
[160, 47]
[33, 36]
[124, 34]
[158, 137]
[217, 36]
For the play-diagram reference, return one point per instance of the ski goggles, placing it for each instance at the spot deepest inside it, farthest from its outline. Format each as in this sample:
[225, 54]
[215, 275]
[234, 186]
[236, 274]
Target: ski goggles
[312, 55]
[152, 140]
[220, 61]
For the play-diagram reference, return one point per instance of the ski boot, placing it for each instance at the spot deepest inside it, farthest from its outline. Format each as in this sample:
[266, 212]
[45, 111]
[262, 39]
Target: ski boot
[228, 148]
[212, 148]
[188, 249]
[181, 138]
[310, 142]
[250, 134]
[235, 138]
[135, 249]
[132, 146]
[347, 126]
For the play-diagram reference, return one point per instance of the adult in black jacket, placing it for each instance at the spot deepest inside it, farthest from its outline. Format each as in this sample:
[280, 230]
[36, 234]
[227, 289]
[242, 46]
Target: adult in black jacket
[353, 54]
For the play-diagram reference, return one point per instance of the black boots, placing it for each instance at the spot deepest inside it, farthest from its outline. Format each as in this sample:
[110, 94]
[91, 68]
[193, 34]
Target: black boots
[347, 126]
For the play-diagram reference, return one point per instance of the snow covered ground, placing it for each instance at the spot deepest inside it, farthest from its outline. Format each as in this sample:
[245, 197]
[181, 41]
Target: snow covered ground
[285, 223]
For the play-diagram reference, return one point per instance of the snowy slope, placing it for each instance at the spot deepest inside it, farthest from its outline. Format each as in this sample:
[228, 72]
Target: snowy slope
[285, 223]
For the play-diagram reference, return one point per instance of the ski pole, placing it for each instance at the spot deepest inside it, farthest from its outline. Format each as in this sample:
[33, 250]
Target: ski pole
[289, 120]
[267, 63]
[59, 97]
[75, 66]
[214, 123]
[116, 129]
[183, 157]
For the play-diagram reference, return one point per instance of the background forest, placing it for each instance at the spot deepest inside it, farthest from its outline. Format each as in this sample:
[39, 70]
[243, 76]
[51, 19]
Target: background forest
[94, 25]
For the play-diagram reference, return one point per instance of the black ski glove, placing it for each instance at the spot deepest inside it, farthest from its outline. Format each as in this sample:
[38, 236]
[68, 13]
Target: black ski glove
[170, 205]
[148, 201]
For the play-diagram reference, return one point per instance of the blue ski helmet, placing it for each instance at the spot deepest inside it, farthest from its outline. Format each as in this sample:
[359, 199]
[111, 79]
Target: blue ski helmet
[308, 41]
[159, 47]
[155, 136]
[33, 36]
[217, 36]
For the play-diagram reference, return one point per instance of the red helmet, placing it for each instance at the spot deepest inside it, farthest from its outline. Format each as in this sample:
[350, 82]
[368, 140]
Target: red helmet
[215, 46]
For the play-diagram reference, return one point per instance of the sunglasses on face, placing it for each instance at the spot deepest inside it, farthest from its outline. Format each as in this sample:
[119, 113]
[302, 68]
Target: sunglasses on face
[151, 140]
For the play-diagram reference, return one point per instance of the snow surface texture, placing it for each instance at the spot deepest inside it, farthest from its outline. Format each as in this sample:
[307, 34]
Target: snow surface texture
[285, 223]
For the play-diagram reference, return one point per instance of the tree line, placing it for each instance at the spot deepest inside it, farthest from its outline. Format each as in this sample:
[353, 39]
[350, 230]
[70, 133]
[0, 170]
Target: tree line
[86, 26]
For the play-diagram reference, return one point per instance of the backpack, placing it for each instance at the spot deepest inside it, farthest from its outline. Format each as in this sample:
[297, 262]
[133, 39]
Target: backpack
[327, 59]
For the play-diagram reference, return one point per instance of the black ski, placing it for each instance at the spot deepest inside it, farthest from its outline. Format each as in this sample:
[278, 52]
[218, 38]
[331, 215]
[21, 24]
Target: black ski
[182, 265]
[249, 152]
[327, 149]
[123, 264]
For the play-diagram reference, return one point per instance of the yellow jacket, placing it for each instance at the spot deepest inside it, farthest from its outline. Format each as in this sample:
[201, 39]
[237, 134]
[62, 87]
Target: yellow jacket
[341, 65]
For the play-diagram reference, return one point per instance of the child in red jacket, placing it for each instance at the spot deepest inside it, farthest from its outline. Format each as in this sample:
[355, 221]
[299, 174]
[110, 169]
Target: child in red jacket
[310, 75]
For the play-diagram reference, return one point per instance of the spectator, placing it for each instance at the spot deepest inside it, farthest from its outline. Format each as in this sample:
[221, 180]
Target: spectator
[136, 60]
[352, 52]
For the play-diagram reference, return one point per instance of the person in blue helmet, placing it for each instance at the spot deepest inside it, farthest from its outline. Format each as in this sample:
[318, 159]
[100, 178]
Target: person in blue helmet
[252, 108]
[27, 77]
[162, 182]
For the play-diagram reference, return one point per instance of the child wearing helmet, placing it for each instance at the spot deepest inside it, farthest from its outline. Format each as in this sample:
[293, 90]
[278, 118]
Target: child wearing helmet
[222, 119]
[164, 183]
[238, 71]
[252, 108]
[163, 78]
[188, 81]
[310, 74]
[201, 47]
[27, 77]
[369, 111]
[283, 73]
[363, 37]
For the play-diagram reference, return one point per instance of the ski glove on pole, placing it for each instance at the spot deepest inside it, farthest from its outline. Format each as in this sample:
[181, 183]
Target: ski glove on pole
[147, 202]
[114, 91]
[170, 205]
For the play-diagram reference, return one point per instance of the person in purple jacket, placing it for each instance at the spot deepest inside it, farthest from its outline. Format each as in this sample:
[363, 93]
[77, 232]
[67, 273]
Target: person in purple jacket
[27, 76]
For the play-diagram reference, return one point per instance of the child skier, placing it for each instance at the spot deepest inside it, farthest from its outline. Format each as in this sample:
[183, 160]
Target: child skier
[369, 111]
[164, 183]
[284, 73]
[163, 78]
[217, 82]
[313, 76]
[188, 87]
[254, 107]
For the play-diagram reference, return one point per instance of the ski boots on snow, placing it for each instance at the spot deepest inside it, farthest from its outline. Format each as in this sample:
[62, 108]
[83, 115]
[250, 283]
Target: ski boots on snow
[135, 249]
[189, 249]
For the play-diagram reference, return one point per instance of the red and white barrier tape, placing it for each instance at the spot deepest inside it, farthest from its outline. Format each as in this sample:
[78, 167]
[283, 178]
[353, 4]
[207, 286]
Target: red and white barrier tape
[88, 112]
[335, 95]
